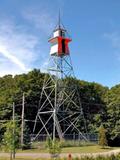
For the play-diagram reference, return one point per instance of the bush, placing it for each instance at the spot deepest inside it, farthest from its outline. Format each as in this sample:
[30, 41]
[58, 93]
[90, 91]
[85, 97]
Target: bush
[54, 147]
[102, 137]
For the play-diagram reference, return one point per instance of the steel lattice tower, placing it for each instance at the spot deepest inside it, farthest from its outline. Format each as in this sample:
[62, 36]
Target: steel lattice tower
[60, 110]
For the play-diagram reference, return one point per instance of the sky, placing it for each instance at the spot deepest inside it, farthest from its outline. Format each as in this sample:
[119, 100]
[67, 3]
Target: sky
[94, 25]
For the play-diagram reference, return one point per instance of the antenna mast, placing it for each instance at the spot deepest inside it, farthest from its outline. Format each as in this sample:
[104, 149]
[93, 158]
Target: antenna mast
[59, 18]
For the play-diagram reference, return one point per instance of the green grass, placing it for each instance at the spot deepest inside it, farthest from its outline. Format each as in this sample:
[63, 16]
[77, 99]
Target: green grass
[87, 149]
[112, 157]
[90, 149]
[82, 149]
[26, 158]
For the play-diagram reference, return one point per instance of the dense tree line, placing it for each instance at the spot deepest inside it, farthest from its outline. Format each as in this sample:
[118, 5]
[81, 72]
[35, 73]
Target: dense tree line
[100, 104]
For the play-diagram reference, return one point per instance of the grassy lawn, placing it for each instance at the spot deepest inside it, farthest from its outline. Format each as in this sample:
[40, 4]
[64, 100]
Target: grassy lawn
[26, 158]
[83, 149]
[87, 149]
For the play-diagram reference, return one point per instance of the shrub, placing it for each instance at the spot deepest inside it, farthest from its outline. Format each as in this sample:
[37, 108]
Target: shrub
[102, 136]
[54, 147]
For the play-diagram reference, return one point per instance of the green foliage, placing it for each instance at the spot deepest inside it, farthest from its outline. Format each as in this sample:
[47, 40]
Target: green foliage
[26, 138]
[10, 141]
[102, 136]
[54, 146]
[113, 112]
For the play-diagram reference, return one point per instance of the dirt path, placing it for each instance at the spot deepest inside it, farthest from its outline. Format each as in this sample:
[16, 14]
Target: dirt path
[47, 155]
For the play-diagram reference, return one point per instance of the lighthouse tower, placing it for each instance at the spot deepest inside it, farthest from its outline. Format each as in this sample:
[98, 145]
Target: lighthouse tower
[60, 112]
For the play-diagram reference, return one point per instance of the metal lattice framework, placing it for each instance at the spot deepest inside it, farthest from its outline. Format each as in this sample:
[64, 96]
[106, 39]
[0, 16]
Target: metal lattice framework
[60, 110]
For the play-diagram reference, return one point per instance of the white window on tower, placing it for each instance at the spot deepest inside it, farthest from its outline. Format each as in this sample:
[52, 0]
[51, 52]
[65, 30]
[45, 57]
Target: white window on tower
[56, 34]
[54, 49]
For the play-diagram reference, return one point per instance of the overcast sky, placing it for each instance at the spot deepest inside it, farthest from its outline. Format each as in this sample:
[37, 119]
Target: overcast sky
[94, 26]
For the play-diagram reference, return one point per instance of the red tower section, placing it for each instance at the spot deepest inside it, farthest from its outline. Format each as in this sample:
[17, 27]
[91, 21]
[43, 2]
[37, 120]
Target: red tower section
[59, 43]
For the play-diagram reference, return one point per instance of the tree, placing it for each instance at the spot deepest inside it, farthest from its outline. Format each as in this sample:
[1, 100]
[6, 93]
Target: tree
[26, 138]
[102, 136]
[113, 115]
[54, 147]
[10, 141]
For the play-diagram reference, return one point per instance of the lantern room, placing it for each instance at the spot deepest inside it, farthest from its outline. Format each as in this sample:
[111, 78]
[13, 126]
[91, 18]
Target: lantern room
[59, 43]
